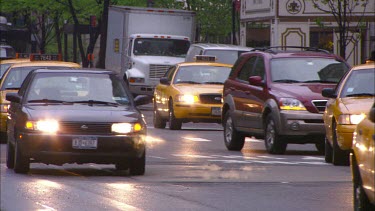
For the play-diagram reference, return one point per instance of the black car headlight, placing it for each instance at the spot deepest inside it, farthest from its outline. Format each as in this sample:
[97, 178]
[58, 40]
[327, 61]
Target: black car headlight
[46, 126]
[126, 127]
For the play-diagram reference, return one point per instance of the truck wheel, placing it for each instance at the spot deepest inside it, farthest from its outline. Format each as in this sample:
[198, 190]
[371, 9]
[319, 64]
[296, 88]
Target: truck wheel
[10, 156]
[137, 166]
[275, 144]
[327, 151]
[360, 199]
[21, 163]
[174, 123]
[233, 140]
[157, 120]
[340, 157]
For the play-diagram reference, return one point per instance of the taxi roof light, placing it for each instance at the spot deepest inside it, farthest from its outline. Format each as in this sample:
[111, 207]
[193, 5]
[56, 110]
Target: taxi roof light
[45, 57]
[204, 58]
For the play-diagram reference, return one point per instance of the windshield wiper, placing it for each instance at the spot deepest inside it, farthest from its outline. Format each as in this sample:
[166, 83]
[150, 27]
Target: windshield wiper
[213, 82]
[360, 94]
[188, 82]
[318, 81]
[91, 102]
[287, 81]
[48, 101]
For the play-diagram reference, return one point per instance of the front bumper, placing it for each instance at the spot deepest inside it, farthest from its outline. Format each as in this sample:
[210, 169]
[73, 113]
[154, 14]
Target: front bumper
[301, 123]
[198, 112]
[58, 149]
[345, 136]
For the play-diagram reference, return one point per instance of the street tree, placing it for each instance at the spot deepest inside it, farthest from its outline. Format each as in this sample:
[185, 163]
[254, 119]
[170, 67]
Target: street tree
[349, 16]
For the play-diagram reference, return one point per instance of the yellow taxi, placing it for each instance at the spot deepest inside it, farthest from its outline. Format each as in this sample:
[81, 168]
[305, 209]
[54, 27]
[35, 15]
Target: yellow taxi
[5, 63]
[190, 92]
[362, 162]
[346, 107]
[16, 73]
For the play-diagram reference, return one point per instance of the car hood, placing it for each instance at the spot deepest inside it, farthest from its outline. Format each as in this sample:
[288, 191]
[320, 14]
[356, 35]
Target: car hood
[310, 91]
[357, 105]
[82, 113]
[200, 88]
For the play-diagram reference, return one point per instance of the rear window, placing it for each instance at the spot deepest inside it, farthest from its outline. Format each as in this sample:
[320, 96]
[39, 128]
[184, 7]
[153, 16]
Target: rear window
[305, 70]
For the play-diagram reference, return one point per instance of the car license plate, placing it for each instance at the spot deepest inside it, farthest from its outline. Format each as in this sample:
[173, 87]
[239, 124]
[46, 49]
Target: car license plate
[216, 111]
[85, 142]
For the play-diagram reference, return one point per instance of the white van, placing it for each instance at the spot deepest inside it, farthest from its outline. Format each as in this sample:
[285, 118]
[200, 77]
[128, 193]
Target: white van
[225, 53]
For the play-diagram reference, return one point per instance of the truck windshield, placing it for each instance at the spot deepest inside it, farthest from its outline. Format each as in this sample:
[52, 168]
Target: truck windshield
[160, 47]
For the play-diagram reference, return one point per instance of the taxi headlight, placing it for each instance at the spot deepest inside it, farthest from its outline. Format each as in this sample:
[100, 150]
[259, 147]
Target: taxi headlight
[47, 126]
[190, 99]
[4, 108]
[350, 119]
[291, 104]
[126, 127]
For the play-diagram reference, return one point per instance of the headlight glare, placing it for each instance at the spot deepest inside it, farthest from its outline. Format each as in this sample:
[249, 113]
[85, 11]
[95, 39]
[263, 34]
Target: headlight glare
[47, 126]
[350, 119]
[126, 127]
[4, 108]
[291, 104]
[189, 99]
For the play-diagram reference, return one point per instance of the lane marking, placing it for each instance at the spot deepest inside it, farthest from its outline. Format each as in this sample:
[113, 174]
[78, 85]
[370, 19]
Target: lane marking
[253, 140]
[197, 139]
[157, 157]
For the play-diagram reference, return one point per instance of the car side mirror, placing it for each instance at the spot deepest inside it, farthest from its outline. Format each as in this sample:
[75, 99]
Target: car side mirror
[164, 80]
[256, 81]
[329, 92]
[372, 114]
[13, 97]
[142, 100]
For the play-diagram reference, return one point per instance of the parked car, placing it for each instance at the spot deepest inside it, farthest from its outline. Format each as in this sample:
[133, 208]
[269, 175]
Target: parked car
[224, 53]
[7, 52]
[190, 92]
[362, 163]
[276, 95]
[346, 107]
[14, 76]
[62, 116]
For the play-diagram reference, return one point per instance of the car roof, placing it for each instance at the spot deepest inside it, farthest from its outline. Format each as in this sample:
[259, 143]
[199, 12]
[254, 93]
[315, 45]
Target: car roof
[366, 66]
[46, 63]
[12, 61]
[294, 53]
[204, 64]
[74, 70]
[221, 46]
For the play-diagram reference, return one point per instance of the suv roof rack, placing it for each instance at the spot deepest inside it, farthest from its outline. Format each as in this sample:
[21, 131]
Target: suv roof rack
[270, 49]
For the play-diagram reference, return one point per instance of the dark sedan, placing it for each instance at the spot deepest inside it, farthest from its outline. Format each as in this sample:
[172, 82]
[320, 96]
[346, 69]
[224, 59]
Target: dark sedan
[75, 116]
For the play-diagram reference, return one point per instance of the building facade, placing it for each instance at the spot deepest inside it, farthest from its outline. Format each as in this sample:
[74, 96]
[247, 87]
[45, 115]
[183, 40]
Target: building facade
[299, 23]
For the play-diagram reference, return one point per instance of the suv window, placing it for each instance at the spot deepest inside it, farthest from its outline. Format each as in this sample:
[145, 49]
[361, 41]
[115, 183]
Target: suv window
[246, 69]
[259, 68]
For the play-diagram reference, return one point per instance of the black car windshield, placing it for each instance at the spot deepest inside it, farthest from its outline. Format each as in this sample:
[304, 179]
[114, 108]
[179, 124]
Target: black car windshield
[307, 70]
[359, 83]
[225, 56]
[82, 88]
[202, 74]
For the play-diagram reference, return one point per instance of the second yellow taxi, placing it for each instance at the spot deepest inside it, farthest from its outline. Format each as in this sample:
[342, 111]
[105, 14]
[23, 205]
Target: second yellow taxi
[190, 92]
[16, 73]
[346, 107]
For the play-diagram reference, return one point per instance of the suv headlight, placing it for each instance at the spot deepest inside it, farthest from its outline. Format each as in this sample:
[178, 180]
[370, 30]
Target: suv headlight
[189, 99]
[126, 127]
[350, 119]
[47, 126]
[291, 104]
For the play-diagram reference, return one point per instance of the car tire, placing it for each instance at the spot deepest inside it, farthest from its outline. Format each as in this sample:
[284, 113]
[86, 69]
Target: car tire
[274, 143]
[3, 137]
[232, 138]
[174, 123]
[10, 156]
[137, 166]
[339, 157]
[21, 163]
[360, 199]
[120, 166]
[327, 151]
[320, 147]
[157, 120]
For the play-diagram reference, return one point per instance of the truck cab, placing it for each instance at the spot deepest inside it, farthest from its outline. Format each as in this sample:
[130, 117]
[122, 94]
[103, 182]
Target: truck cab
[148, 57]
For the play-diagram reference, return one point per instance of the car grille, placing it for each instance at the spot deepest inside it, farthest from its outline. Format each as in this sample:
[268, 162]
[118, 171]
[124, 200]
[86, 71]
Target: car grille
[320, 105]
[85, 128]
[158, 70]
[210, 98]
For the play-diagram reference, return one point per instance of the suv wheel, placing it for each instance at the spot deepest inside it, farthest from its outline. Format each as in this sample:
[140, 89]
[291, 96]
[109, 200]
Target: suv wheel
[327, 151]
[174, 123]
[157, 120]
[339, 156]
[233, 140]
[274, 143]
[10, 156]
[320, 147]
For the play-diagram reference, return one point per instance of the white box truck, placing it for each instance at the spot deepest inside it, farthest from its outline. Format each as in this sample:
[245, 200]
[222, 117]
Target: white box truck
[143, 43]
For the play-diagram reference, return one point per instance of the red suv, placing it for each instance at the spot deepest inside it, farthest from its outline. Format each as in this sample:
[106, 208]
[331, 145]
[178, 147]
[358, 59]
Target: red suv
[276, 95]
